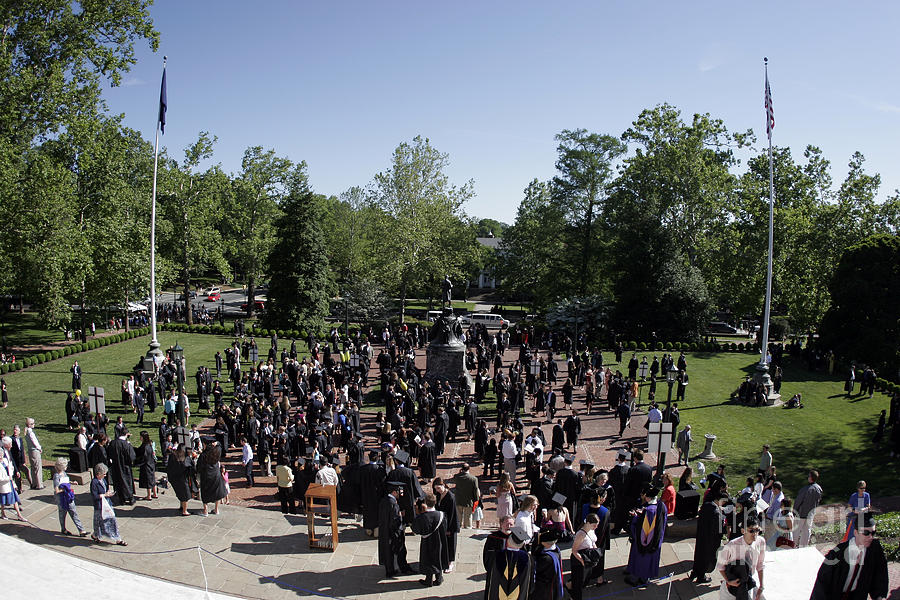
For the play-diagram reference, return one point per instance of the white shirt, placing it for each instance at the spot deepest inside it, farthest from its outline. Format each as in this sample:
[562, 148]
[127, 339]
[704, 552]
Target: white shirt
[82, 441]
[854, 555]
[654, 416]
[247, 454]
[508, 449]
[32, 440]
[737, 549]
[327, 476]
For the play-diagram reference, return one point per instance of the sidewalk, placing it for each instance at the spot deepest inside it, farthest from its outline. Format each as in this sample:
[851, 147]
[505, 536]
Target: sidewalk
[263, 554]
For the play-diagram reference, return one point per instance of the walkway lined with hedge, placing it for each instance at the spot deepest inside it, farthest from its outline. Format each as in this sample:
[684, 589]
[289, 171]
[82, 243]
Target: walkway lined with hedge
[68, 348]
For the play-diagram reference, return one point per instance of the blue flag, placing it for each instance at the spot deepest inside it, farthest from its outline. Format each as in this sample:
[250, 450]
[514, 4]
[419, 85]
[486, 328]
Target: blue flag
[163, 103]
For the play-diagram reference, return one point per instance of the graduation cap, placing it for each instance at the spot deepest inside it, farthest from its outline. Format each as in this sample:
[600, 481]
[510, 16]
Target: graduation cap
[548, 534]
[586, 463]
[519, 534]
[560, 499]
[568, 458]
[402, 456]
[336, 460]
[300, 462]
[393, 485]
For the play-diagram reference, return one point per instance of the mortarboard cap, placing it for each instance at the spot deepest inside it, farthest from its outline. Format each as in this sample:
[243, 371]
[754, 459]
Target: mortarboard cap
[568, 458]
[549, 534]
[560, 499]
[402, 456]
[519, 534]
[586, 463]
[336, 460]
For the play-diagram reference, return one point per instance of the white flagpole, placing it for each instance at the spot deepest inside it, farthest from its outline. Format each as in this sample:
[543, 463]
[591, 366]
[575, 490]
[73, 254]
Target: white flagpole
[765, 333]
[154, 351]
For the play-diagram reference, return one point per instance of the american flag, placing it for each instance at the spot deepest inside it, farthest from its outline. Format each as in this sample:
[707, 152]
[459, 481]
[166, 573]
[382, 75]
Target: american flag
[770, 112]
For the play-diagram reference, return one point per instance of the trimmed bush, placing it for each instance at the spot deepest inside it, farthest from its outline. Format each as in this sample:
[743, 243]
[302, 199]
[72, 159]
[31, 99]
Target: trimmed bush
[15, 366]
[668, 345]
[40, 358]
[4, 369]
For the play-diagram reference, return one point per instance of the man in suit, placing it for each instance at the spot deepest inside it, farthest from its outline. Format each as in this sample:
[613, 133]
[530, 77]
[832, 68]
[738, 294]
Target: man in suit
[467, 494]
[412, 490]
[568, 483]
[36, 472]
[855, 569]
[18, 457]
[638, 476]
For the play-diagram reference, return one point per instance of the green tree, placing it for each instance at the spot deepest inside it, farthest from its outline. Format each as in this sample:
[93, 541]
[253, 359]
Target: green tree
[532, 248]
[54, 55]
[586, 164]
[422, 232]
[301, 283]
[191, 213]
[490, 227]
[863, 322]
[258, 191]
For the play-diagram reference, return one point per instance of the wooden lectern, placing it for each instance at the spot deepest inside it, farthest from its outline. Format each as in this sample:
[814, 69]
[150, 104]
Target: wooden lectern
[322, 500]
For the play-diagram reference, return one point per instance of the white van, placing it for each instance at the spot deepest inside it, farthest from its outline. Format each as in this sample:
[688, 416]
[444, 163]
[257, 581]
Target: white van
[489, 320]
[433, 315]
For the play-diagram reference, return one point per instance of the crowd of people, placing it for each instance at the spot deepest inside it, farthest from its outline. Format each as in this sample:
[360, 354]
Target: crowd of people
[298, 419]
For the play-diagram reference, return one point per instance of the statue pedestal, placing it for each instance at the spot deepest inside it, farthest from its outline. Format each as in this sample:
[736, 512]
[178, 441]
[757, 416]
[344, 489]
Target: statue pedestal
[761, 377]
[708, 451]
[445, 362]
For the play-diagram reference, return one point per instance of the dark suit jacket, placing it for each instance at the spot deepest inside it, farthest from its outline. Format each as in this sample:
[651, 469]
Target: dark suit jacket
[635, 479]
[18, 453]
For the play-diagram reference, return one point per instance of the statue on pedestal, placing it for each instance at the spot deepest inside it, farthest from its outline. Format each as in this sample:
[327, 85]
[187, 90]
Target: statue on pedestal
[447, 292]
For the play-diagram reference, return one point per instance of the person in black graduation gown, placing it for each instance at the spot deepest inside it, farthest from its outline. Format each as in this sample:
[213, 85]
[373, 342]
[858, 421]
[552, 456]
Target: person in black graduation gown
[412, 491]
[548, 570]
[710, 527]
[371, 482]
[433, 551]
[871, 578]
[391, 534]
[178, 470]
[441, 426]
[446, 503]
[121, 458]
[147, 461]
[558, 439]
[350, 494]
[510, 575]
[427, 459]
[568, 483]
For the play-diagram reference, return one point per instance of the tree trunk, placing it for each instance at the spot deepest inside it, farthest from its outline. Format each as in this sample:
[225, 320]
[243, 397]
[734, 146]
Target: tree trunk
[403, 303]
[188, 317]
[83, 319]
[251, 294]
[127, 323]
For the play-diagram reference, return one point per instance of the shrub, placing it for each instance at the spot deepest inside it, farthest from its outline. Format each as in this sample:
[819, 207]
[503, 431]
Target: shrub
[668, 346]
[4, 369]
[27, 362]
[15, 366]
[741, 347]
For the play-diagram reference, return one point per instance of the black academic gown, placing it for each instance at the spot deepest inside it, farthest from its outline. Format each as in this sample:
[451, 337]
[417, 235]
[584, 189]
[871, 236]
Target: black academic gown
[371, 483]
[178, 473]
[433, 548]
[121, 458]
[412, 491]
[391, 537]
[710, 527]
[872, 579]
[447, 505]
[350, 494]
[547, 583]
[510, 576]
[428, 460]
[568, 483]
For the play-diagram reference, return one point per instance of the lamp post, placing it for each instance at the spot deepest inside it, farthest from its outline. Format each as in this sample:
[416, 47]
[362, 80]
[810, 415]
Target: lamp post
[346, 316]
[670, 379]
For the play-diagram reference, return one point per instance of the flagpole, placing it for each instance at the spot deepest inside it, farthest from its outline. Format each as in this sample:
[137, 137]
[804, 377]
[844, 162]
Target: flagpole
[765, 333]
[155, 353]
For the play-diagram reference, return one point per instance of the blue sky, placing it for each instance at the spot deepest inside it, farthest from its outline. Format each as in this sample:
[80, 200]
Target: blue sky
[341, 84]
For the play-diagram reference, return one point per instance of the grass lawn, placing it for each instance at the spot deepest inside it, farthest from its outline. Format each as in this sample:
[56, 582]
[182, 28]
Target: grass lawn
[40, 391]
[24, 330]
[832, 433]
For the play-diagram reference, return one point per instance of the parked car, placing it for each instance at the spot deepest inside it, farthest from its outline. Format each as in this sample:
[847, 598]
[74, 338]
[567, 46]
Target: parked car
[192, 295]
[213, 290]
[213, 297]
[489, 320]
[721, 327]
[257, 305]
[433, 315]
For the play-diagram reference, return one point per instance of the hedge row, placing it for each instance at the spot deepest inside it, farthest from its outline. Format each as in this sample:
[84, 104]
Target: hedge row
[220, 330]
[42, 357]
[693, 346]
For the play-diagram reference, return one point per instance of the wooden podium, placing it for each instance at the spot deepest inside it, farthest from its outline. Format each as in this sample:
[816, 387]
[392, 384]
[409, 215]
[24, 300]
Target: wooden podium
[322, 500]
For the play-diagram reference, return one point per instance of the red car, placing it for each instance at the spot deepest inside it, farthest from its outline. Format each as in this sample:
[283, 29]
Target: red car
[214, 297]
[257, 305]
